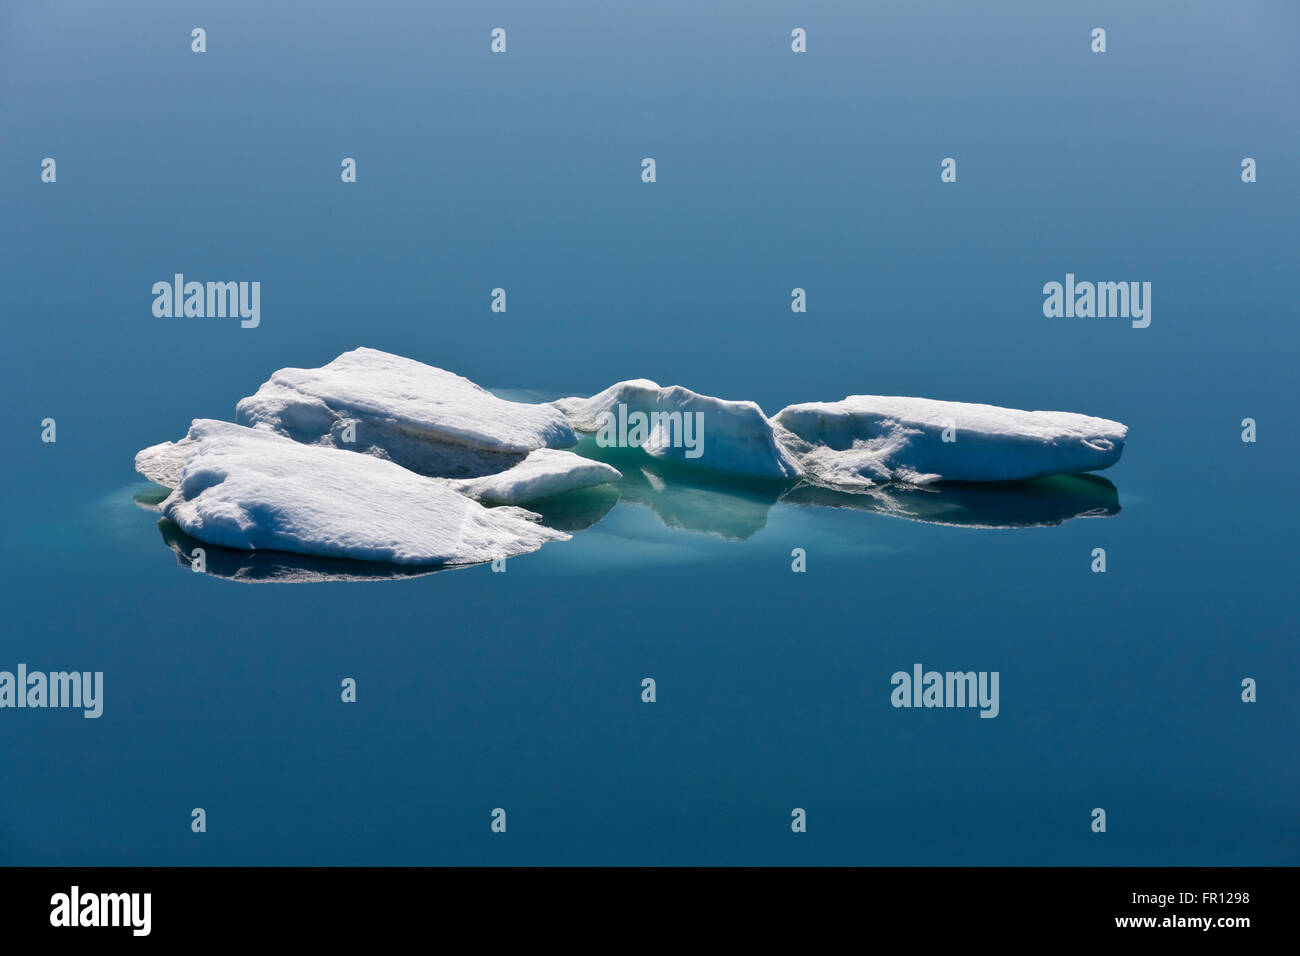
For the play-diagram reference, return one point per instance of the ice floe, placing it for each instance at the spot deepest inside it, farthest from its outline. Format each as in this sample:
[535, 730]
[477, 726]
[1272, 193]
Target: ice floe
[286, 477]
[424, 418]
[251, 489]
[870, 439]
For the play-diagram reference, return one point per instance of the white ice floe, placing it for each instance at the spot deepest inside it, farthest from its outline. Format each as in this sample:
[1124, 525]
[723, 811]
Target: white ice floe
[681, 425]
[869, 439]
[544, 472]
[287, 476]
[424, 418]
[252, 489]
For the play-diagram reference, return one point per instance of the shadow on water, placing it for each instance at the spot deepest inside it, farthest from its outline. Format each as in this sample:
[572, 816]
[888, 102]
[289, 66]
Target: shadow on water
[1037, 503]
[283, 567]
[736, 508]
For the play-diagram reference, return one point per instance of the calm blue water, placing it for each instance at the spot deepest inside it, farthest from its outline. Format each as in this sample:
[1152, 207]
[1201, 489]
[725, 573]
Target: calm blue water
[522, 690]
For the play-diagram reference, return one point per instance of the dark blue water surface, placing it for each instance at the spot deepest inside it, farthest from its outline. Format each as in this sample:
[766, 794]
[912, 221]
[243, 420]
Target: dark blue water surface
[522, 690]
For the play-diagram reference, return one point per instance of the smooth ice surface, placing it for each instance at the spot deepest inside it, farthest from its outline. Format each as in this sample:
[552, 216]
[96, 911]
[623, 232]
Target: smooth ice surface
[868, 439]
[424, 418]
[736, 436]
[543, 473]
[252, 489]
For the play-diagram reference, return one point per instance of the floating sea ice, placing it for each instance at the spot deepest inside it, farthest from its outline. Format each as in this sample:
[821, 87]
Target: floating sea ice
[868, 439]
[251, 489]
[424, 418]
[680, 425]
[288, 484]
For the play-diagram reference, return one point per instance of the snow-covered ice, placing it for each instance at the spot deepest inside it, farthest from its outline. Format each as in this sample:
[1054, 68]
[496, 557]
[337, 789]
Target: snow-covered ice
[869, 439]
[424, 418]
[252, 489]
[736, 437]
[286, 477]
[543, 473]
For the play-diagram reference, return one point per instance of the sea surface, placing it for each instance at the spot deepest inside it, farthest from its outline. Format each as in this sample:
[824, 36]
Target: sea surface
[523, 690]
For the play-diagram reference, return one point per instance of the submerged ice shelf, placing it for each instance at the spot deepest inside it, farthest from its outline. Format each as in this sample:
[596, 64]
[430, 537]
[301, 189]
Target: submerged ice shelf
[379, 458]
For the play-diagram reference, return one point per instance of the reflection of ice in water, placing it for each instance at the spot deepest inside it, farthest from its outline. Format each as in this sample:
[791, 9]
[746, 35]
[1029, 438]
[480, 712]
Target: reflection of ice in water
[1038, 503]
[737, 508]
[257, 567]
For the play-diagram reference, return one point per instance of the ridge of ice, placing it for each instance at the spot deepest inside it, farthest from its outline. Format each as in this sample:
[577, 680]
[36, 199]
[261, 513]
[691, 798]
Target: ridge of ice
[737, 437]
[251, 489]
[424, 418]
[869, 439]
